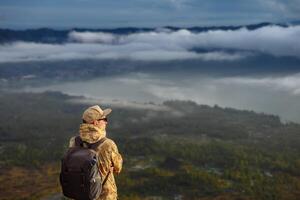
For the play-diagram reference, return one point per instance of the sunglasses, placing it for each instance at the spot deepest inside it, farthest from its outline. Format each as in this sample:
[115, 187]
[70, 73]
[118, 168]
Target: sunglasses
[104, 119]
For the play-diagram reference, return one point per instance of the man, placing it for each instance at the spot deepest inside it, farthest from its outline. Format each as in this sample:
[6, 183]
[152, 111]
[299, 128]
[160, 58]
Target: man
[93, 129]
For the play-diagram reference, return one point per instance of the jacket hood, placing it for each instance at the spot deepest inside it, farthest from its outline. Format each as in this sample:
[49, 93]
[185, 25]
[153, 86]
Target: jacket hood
[91, 133]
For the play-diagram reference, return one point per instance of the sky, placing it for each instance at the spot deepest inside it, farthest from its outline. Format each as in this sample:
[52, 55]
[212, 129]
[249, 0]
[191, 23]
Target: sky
[21, 14]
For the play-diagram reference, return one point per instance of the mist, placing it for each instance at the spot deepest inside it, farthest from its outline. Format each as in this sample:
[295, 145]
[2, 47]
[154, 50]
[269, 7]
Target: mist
[161, 45]
[278, 95]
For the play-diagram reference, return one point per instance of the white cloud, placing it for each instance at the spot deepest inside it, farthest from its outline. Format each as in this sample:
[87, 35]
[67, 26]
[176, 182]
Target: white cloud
[277, 95]
[161, 45]
[120, 104]
[290, 84]
[91, 37]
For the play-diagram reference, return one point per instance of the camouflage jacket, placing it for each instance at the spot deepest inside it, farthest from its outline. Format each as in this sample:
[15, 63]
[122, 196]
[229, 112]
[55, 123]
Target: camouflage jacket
[109, 157]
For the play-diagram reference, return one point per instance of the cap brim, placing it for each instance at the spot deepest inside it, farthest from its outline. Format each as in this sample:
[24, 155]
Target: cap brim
[106, 112]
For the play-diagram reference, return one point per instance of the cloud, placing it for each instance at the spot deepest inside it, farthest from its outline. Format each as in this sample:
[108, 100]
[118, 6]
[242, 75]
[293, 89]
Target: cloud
[91, 37]
[24, 51]
[286, 8]
[275, 5]
[120, 104]
[290, 84]
[162, 45]
[277, 95]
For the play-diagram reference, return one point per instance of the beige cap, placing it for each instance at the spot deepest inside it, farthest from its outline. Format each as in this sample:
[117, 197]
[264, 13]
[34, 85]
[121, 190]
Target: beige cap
[95, 113]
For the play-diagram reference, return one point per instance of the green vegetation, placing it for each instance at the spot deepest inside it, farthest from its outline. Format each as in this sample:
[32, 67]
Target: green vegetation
[181, 150]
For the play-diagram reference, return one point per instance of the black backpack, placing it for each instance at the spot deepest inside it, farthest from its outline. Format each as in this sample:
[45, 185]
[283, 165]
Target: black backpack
[80, 178]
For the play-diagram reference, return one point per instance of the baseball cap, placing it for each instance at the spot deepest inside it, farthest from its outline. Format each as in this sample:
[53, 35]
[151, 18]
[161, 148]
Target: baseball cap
[95, 113]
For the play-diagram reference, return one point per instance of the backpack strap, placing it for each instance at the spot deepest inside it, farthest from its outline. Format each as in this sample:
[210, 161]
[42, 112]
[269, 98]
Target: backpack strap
[79, 142]
[96, 144]
[104, 181]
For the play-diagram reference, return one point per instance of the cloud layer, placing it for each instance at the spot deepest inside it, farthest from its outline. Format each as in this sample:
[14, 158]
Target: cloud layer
[289, 84]
[162, 45]
[277, 95]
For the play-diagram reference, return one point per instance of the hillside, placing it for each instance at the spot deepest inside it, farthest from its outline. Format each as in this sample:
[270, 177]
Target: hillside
[176, 149]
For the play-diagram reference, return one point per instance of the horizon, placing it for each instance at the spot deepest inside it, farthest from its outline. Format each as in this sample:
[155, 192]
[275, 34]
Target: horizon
[66, 28]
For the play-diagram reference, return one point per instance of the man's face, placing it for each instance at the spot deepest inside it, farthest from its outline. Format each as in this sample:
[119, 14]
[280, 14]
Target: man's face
[101, 123]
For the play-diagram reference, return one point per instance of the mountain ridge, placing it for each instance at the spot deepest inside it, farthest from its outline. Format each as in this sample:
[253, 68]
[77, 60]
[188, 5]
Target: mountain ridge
[51, 35]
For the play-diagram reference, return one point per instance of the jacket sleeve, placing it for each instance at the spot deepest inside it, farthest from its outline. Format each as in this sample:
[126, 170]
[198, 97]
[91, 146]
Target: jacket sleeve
[116, 159]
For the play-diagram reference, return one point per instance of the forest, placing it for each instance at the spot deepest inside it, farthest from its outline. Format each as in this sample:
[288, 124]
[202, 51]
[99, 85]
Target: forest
[174, 150]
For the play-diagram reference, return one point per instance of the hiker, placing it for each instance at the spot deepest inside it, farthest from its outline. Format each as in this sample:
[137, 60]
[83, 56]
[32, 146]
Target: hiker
[93, 130]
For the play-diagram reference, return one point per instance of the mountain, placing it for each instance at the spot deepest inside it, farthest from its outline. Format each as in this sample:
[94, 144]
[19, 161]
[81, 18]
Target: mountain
[176, 148]
[47, 35]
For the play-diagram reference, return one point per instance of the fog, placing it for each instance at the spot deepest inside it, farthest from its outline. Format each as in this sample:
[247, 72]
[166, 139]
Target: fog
[271, 49]
[161, 45]
[278, 95]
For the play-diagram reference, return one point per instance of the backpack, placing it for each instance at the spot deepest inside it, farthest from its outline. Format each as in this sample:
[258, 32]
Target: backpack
[80, 178]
